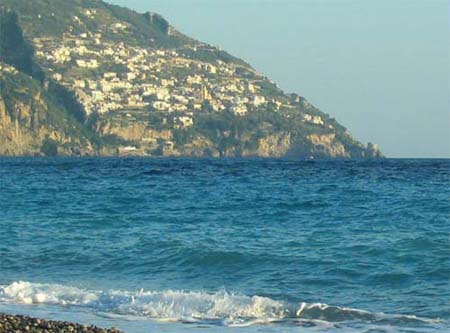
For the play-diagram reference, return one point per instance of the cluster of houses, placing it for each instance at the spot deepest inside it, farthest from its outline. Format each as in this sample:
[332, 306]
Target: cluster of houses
[118, 77]
[107, 76]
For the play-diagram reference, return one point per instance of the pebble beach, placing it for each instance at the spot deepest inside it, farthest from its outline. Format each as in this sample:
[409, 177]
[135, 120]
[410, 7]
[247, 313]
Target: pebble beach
[23, 324]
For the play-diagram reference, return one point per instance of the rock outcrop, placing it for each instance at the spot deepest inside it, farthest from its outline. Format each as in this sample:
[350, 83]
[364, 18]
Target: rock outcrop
[83, 77]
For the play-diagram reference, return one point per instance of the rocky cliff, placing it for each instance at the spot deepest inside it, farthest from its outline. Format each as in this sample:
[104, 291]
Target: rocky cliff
[82, 77]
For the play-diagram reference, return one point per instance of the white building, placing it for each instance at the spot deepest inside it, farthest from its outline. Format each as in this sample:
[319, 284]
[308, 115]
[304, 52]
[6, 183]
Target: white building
[258, 100]
[184, 121]
[161, 106]
[317, 120]
[239, 110]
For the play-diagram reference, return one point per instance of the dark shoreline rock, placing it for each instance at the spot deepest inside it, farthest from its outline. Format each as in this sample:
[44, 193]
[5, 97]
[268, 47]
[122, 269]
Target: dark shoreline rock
[23, 324]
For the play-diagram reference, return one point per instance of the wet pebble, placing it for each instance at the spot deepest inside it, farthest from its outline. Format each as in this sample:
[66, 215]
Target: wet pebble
[23, 324]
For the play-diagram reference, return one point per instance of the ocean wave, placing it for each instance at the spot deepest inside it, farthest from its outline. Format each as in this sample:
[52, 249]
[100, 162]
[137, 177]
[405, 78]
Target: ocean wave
[222, 308]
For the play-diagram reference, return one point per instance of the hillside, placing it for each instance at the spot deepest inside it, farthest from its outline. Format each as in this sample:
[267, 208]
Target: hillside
[106, 80]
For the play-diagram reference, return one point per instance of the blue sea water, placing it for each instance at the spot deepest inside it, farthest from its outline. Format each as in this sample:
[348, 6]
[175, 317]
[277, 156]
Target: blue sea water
[186, 245]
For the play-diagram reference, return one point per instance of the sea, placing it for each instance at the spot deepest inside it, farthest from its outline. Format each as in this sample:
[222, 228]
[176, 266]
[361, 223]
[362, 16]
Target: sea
[227, 245]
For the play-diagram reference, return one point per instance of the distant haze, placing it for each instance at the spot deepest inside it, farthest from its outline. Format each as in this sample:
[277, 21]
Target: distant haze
[381, 68]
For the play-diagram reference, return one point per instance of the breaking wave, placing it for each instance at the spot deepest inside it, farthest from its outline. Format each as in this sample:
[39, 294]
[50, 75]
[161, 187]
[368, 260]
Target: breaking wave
[222, 308]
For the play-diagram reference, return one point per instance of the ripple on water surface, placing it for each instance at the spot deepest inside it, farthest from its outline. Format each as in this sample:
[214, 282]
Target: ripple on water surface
[230, 238]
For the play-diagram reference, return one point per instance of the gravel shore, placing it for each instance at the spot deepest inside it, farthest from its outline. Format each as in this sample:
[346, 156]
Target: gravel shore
[22, 324]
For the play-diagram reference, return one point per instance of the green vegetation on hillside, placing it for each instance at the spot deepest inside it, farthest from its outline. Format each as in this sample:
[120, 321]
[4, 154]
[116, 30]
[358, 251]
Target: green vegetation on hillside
[54, 17]
[84, 76]
[14, 49]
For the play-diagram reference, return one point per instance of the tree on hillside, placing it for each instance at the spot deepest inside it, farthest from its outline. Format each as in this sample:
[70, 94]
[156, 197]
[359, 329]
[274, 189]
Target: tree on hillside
[14, 49]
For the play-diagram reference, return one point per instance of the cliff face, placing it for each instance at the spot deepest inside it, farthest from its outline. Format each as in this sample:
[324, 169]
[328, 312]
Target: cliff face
[30, 119]
[84, 77]
[16, 140]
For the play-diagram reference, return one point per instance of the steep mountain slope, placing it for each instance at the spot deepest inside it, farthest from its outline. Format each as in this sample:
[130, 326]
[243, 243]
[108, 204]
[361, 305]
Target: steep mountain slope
[108, 80]
[33, 122]
[32, 119]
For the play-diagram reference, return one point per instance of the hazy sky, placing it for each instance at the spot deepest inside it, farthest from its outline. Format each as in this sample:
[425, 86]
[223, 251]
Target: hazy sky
[381, 67]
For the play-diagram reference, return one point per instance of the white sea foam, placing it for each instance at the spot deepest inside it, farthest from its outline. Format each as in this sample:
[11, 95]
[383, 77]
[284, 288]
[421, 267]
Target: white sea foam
[222, 308]
[167, 305]
[33, 293]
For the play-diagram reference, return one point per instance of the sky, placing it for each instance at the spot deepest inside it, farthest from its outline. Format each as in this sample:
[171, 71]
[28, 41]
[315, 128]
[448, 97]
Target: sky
[381, 68]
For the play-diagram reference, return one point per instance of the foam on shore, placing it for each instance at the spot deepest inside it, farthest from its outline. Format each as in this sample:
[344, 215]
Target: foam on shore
[221, 308]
